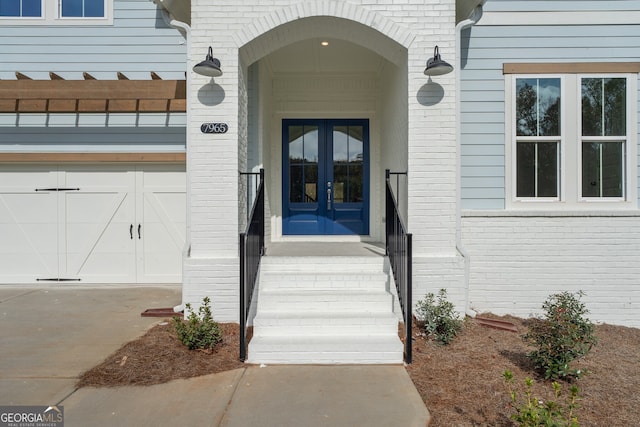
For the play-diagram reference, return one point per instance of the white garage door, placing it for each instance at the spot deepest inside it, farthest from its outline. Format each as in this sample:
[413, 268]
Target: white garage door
[92, 223]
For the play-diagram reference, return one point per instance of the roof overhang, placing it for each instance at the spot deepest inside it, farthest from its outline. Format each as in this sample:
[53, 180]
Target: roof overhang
[181, 9]
[465, 8]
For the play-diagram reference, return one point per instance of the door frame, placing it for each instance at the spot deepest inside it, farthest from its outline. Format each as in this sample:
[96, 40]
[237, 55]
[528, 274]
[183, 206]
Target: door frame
[324, 126]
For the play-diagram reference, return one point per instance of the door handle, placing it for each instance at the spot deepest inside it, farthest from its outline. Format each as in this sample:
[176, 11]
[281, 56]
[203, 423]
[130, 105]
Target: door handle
[131, 231]
[139, 228]
[328, 195]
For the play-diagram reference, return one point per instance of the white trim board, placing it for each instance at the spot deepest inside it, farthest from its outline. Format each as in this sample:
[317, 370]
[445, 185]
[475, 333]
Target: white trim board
[594, 17]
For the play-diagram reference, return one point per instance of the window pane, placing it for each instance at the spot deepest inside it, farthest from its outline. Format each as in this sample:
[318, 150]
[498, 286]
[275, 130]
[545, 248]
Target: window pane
[547, 169]
[537, 169]
[612, 169]
[604, 111]
[94, 8]
[538, 107]
[71, 8]
[32, 8]
[602, 169]
[526, 170]
[590, 169]
[10, 8]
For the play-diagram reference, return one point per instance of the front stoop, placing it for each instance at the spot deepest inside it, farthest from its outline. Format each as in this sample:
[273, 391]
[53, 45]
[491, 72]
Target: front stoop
[324, 310]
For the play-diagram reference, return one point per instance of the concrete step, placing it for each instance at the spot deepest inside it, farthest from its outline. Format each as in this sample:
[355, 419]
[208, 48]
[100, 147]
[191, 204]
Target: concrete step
[326, 350]
[329, 301]
[323, 280]
[282, 264]
[312, 325]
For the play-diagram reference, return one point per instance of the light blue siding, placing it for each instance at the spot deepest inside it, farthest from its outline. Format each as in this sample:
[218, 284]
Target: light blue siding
[138, 42]
[486, 48]
[92, 139]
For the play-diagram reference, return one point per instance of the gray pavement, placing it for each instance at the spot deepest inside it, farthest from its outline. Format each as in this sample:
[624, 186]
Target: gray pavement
[49, 336]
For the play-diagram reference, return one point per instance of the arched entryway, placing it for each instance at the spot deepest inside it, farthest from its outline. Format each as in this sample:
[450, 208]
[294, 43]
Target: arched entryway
[326, 114]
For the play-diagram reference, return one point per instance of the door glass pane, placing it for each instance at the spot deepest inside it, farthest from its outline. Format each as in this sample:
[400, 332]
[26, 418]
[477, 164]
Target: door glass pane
[310, 183]
[296, 184]
[348, 159]
[340, 181]
[604, 110]
[303, 164]
[538, 107]
[355, 183]
[340, 143]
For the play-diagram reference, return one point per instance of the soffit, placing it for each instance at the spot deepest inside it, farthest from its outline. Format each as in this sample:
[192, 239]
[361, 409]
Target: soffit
[181, 9]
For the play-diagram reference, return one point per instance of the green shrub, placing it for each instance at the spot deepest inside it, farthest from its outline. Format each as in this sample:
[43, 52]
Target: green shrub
[440, 319]
[199, 331]
[565, 334]
[534, 412]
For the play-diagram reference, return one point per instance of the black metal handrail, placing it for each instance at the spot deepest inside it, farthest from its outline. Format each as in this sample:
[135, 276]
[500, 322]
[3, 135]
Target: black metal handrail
[251, 250]
[398, 249]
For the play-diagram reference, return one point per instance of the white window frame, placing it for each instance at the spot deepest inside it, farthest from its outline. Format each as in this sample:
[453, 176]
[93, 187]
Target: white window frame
[570, 162]
[512, 146]
[51, 15]
[626, 153]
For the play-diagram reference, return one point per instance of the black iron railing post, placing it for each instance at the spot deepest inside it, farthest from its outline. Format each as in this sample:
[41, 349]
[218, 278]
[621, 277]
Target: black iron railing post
[251, 248]
[399, 249]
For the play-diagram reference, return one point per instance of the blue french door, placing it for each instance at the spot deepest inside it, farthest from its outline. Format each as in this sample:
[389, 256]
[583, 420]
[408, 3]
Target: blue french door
[325, 182]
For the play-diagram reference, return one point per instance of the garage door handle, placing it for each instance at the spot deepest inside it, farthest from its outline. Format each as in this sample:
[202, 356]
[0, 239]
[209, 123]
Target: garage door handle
[131, 231]
[139, 228]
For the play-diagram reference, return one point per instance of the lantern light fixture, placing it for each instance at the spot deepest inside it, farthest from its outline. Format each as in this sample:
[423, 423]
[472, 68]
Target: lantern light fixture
[210, 67]
[436, 66]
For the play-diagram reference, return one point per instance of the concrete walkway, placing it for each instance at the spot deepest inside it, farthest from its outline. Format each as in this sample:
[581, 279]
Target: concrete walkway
[49, 336]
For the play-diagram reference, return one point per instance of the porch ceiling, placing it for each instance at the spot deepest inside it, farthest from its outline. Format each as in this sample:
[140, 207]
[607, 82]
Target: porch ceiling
[181, 9]
[309, 56]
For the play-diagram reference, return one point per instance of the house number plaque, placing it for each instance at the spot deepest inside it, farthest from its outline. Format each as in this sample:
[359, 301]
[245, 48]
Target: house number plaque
[214, 128]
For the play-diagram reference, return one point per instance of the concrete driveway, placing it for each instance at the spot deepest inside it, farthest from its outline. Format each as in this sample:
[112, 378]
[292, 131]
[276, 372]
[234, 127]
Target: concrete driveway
[49, 336]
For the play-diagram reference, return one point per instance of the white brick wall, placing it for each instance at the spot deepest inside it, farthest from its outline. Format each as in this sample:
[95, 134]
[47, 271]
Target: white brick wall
[516, 262]
[243, 31]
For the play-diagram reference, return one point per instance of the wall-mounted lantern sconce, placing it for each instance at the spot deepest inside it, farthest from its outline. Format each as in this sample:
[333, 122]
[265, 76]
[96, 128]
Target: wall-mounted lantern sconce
[436, 66]
[210, 67]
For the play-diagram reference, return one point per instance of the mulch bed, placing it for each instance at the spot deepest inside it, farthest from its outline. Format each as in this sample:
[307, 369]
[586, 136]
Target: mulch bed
[159, 356]
[461, 383]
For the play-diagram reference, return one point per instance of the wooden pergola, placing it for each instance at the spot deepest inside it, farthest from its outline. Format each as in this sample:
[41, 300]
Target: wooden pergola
[57, 95]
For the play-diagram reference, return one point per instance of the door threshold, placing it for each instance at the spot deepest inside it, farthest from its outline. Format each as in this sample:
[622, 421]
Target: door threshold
[324, 239]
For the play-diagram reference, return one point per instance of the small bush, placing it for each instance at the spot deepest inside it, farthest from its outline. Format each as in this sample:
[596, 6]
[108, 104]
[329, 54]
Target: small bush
[199, 331]
[441, 322]
[565, 334]
[534, 412]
